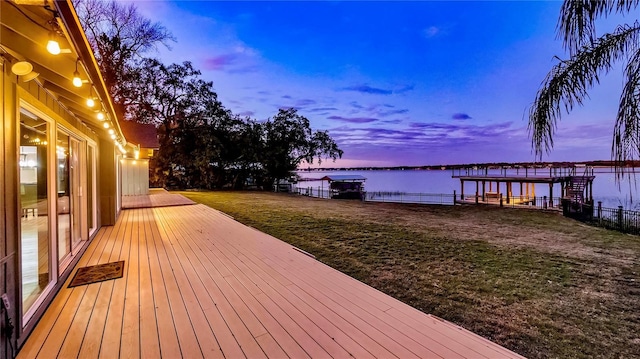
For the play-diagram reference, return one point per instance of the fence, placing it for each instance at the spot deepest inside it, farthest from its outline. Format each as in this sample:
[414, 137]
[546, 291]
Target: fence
[402, 197]
[619, 219]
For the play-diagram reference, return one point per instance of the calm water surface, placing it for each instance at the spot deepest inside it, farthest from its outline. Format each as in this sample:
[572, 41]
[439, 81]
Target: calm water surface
[605, 188]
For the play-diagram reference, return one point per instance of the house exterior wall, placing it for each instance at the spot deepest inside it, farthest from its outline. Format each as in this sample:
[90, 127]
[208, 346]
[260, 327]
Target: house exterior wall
[97, 203]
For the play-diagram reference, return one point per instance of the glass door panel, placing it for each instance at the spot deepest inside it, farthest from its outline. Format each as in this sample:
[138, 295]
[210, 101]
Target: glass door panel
[35, 251]
[76, 194]
[91, 203]
[63, 186]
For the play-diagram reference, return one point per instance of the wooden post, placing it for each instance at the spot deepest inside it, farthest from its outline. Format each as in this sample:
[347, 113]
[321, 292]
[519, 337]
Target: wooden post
[477, 184]
[461, 189]
[544, 202]
[501, 200]
[600, 209]
[620, 217]
[550, 194]
[508, 191]
[483, 192]
[454, 197]
[521, 191]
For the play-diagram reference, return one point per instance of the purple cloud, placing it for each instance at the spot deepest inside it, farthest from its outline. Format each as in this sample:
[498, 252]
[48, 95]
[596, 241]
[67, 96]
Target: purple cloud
[221, 62]
[305, 102]
[368, 89]
[246, 113]
[287, 97]
[461, 116]
[353, 119]
[322, 109]
[404, 89]
[392, 112]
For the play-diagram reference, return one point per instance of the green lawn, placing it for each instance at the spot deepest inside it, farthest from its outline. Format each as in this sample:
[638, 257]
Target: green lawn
[539, 284]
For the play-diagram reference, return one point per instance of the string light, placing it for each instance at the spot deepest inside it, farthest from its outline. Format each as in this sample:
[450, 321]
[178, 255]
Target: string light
[77, 81]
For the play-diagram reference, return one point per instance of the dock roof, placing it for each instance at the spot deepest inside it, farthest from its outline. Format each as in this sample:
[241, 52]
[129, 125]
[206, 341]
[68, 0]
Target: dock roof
[343, 178]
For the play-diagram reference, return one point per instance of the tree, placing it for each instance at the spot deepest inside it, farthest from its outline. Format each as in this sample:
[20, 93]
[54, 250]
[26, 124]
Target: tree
[289, 140]
[569, 81]
[120, 37]
[181, 105]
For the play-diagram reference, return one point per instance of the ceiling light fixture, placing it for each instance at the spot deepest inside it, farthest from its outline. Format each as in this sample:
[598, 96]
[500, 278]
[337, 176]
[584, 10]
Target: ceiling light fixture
[105, 125]
[52, 45]
[90, 101]
[77, 81]
[100, 116]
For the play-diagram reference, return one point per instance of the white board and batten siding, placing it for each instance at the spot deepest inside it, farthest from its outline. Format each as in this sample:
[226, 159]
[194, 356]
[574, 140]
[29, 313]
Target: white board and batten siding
[135, 177]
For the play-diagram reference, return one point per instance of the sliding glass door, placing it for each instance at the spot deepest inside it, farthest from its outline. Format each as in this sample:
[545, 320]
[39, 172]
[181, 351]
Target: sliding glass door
[35, 202]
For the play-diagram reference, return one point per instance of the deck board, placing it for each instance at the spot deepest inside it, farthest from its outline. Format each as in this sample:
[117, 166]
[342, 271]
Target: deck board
[199, 284]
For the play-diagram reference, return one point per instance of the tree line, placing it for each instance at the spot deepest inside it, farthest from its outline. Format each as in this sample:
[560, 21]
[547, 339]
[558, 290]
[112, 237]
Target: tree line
[202, 143]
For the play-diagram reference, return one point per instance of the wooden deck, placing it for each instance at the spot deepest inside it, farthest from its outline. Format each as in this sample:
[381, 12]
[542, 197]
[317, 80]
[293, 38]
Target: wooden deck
[157, 197]
[199, 284]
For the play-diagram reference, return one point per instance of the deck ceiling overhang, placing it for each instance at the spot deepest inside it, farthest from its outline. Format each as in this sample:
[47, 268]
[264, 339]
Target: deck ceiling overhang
[24, 32]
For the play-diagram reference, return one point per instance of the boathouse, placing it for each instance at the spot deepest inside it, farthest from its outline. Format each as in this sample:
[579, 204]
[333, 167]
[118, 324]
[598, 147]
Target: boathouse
[573, 183]
[345, 186]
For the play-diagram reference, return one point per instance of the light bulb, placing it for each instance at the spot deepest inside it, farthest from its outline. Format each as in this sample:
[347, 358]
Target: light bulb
[90, 102]
[111, 131]
[113, 137]
[53, 47]
[105, 125]
[100, 116]
[77, 81]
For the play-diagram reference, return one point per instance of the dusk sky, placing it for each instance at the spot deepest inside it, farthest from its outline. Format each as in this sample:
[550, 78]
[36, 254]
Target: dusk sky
[394, 83]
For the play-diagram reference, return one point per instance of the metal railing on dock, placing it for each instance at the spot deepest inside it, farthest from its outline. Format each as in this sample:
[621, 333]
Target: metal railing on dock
[523, 171]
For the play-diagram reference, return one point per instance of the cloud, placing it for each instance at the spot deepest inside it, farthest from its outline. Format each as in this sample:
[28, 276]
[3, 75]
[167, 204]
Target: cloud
[246, 113]
[322, 109]
[404, 89]
[305, 102]
[353, 119]
[392, 112]
[460, 116]
[376, 90]
[240, 60]
[220, 63]
[429, 135]
[431, 31]
[368, 89]
[287, 97]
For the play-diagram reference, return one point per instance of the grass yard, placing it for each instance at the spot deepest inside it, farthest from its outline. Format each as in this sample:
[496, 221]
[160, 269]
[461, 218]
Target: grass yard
[537, 283]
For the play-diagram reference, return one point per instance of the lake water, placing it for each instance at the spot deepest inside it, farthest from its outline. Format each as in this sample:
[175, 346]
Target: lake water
[605, 188]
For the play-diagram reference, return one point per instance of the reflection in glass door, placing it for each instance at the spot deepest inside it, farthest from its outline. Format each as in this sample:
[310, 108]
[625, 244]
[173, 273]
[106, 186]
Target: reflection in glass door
[69, 186]
[63, 187]
[91, 202]
[34, 202]
[76, 194]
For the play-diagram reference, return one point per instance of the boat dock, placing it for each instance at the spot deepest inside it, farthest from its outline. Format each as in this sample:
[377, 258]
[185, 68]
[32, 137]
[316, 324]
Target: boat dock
[496, 186]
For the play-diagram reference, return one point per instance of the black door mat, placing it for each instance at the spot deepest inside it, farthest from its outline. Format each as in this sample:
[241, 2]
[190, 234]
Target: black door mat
[97, 273]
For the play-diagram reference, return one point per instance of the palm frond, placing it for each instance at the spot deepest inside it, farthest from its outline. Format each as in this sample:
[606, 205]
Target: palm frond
[567, 83]
[576, 25]
[626, 135]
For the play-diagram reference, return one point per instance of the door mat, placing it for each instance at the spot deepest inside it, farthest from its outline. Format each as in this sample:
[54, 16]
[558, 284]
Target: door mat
[97, 273]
